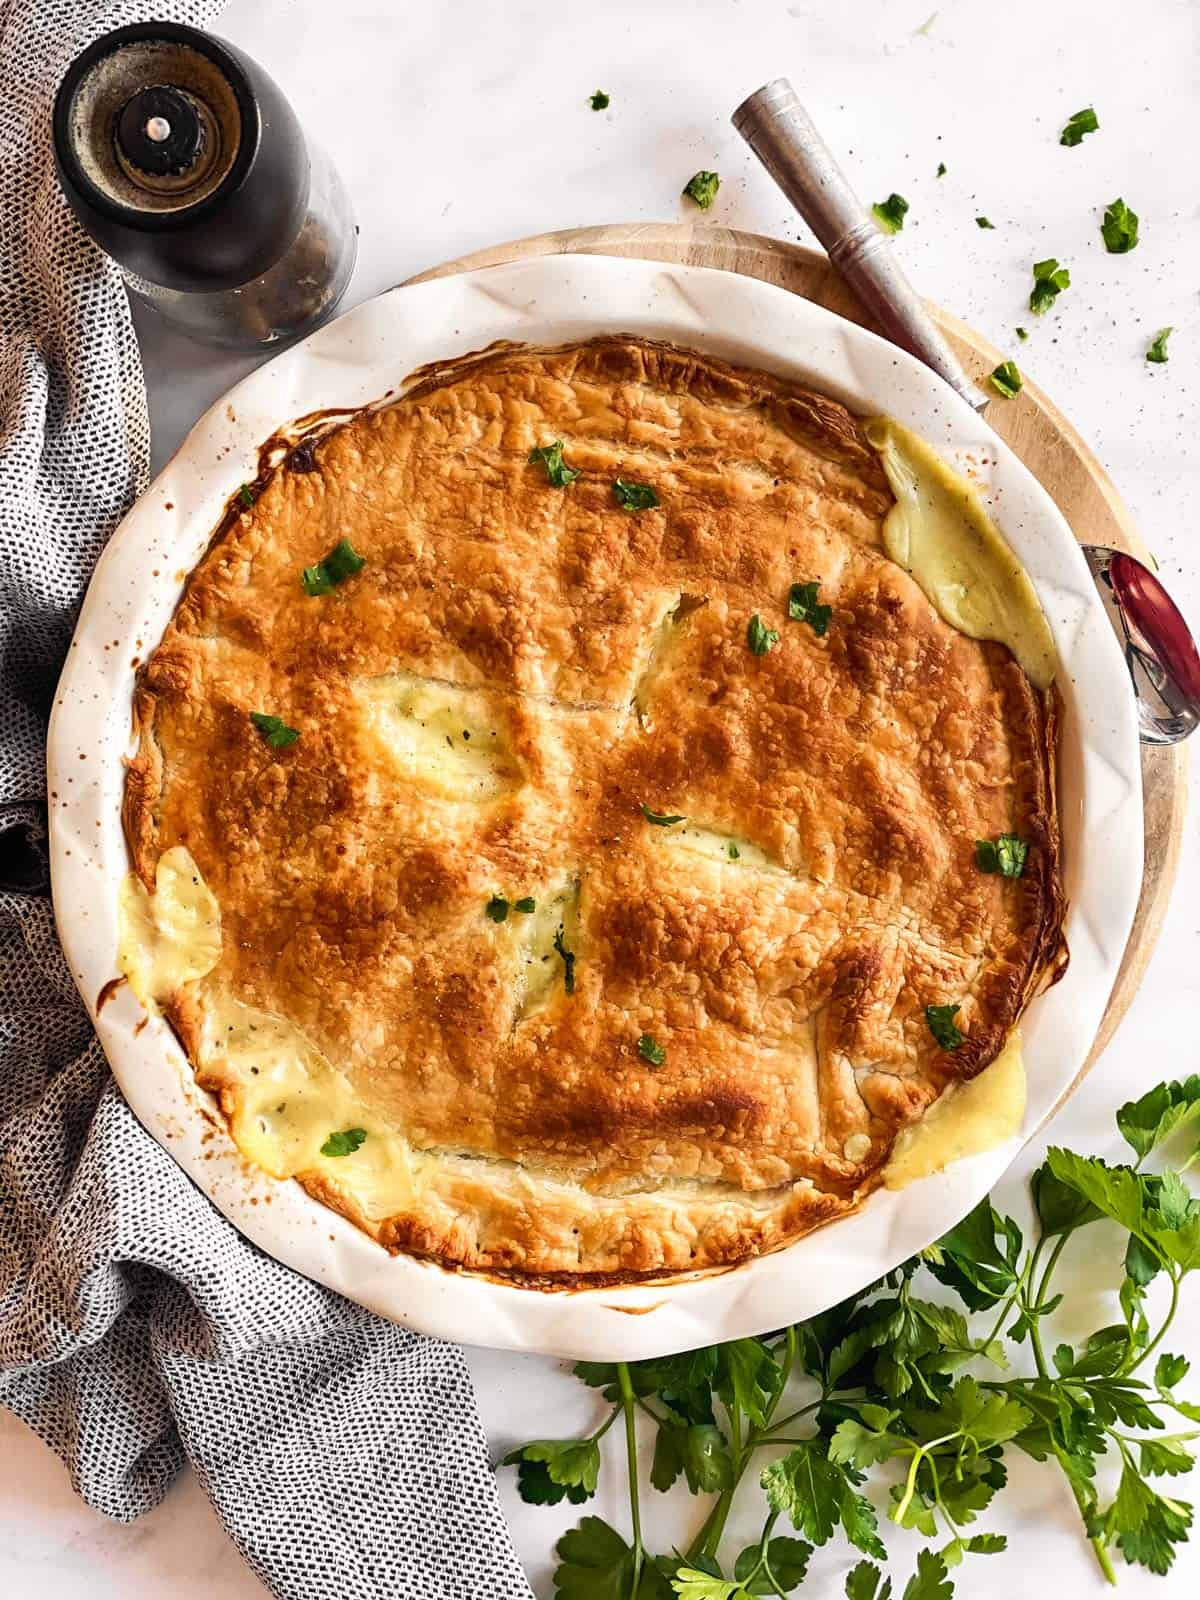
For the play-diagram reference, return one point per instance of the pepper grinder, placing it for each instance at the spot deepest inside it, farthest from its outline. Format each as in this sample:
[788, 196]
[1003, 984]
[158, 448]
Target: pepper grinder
[185, 163]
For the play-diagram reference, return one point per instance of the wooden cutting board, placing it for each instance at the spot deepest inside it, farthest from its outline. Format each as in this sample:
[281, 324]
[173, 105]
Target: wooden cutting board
[1031, 425]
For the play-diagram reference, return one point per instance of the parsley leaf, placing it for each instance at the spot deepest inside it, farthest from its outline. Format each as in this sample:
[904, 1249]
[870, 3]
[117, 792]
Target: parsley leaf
[702, 188]
[818, 1494]
[983, 222]
[1006, 379]
[943, 1026]
[569, 1464]
[1115, 1191]
[1119, 229]
[525, 905]
[759, 637]
[595, 1563]
[650, 1050]
[342, 562]
[931, 1580]
[1158, 347]
[599, 101]
[1060, 1208]
[972, 1260]
[497, 908]
[1049, 280]
[344, 1143]
[748, 1375]
[1006, 855]
[803, 607]
[558, 473]
[786, 1565]
[274, 730]
[983, 1416]
[890, 213]
[866, 1582]
[1145, 1123]
[660, 819]
[1022, 334]
[1078, 124]
[246, 495]
[568, 961]
[941, 171]
[732, 851]
[1145, 1524]
[697, 1449]
[635, 496]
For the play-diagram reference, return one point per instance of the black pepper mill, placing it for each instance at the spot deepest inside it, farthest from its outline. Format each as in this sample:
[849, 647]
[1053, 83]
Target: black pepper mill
[182, 159]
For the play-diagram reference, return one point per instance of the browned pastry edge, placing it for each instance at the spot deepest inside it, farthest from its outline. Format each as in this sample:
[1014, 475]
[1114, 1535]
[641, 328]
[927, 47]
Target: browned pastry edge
[826, 427]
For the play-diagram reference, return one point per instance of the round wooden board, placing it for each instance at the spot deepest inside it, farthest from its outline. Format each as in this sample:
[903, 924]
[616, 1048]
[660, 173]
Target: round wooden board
[1031, 425]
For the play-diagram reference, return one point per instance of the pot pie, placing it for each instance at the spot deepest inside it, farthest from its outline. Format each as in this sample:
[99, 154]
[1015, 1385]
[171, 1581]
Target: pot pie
[566, 840]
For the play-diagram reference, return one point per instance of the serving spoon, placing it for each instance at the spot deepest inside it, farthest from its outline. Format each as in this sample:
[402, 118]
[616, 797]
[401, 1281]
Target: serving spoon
[1160, 650]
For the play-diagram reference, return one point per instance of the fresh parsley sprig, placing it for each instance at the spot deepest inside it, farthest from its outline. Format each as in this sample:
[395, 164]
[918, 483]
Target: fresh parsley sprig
[887, 1393]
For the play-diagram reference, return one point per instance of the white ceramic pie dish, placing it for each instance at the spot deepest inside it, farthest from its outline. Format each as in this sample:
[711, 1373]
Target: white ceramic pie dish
[356, 360]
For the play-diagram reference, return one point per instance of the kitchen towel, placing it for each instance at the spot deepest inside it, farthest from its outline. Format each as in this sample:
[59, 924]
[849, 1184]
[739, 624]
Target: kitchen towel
[137, 1329]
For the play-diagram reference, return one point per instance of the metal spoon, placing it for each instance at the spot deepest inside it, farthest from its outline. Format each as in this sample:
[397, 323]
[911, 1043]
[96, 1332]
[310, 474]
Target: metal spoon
[1164, 665]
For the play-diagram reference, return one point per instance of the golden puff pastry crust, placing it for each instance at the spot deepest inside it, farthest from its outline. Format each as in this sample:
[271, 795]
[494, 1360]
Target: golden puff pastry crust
[779, 945]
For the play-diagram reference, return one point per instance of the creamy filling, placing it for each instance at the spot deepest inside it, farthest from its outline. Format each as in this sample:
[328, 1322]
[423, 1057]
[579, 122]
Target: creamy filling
[966, 1120]
[940, 533]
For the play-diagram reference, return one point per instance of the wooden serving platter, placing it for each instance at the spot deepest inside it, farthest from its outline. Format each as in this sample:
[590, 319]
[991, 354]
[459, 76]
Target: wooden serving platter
[1031, 425]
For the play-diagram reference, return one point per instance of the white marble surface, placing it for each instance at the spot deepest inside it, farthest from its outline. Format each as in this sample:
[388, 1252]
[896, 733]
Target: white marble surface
[458, 124]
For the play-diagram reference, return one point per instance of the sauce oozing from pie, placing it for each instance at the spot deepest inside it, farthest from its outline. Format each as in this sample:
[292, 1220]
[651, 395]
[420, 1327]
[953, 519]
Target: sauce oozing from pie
[967, 1120]
[940, 533]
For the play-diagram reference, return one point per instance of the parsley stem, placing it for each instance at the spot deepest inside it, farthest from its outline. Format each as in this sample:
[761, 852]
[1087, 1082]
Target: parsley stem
[1059, 1244]
[767, 1435]
[920, 1451]
[1176, 1278]
[628, 1405]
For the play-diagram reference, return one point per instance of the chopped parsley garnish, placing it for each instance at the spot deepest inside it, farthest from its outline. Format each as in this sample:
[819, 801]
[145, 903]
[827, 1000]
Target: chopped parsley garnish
[274, 730]
[890, 213]
[984, 222]
[702, 188]
[660, 819]
[498, 907]
[941, 171]
[1158, 349]
[943, 1026]
[650, 1050]
[804, 607]
[246, 495]
[1006, 379]
[1005, 855]
[1049, 280]
[568, 961]
[599, 101]
[557, 470]
[1081, 122]
[1119, 228]
[732, 851]
[759, 637]
[342, 562]
[635, 496]
[1022, 334]
[344, 1143]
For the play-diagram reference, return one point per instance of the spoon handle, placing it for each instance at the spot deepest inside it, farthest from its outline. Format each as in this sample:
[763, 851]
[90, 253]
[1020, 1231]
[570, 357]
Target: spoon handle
[783, 137]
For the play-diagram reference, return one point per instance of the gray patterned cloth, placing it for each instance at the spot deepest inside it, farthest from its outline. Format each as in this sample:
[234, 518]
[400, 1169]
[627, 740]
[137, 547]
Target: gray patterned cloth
[137, 1329]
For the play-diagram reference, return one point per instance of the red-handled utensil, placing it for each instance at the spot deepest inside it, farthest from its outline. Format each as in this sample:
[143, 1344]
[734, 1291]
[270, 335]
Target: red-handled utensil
[1160, 651]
